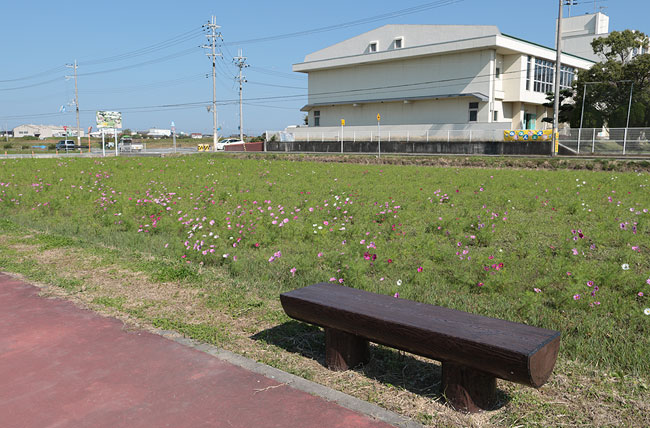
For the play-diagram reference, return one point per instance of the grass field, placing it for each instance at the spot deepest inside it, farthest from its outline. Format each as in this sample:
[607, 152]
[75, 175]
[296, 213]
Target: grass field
[204, 245]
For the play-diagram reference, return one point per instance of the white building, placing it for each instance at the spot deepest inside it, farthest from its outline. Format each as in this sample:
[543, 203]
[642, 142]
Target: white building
[159, 133]
[436, 76]
[579, 31]
[45, 131]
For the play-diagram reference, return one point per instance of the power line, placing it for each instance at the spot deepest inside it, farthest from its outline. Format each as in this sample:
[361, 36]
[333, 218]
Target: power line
[163, 45]
[389, 15]
[293, 97]
[32, 76]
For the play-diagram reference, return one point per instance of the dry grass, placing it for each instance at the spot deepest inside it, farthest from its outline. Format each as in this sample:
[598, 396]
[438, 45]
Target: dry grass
[403, 383]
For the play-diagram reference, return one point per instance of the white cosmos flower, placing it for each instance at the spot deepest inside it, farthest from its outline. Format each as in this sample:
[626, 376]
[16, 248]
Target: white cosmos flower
[646, 311]
[399, 282]
[625, 266]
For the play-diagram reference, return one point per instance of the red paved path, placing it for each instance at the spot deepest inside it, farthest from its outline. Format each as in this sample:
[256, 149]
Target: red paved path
[61, 366]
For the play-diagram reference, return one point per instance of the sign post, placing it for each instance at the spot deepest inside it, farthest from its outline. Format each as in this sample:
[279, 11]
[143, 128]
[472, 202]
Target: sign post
[342, 125]
[103, 143]
[107, 120]
[379, 133]
[174, 135]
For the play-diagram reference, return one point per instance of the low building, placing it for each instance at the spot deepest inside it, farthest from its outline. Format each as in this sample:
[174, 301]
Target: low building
[433, 76]
[158, 133]
[197, 135]
[45, 131]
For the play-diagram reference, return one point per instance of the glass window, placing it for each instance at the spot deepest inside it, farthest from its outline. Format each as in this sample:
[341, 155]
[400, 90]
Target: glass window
[498, 73]
[398, 43]
[473, 112]
[545, 76]
[372, 47]
[495, 116]
[528, 69]
[316, 117]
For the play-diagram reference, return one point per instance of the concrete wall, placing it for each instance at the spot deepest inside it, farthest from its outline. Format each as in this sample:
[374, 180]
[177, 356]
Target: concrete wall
[389, 80]
[476, 148]
[442, 111]
[403, 78]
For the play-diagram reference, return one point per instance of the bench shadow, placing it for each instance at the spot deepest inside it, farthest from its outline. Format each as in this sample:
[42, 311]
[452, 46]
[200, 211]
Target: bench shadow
[418, 375]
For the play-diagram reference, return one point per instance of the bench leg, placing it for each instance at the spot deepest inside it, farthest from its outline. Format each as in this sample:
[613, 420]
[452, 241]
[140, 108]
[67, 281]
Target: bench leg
[344, 350]
[468, 389]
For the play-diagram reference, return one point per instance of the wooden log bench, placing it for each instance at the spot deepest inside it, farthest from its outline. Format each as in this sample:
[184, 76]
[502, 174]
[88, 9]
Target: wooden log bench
[474, 350]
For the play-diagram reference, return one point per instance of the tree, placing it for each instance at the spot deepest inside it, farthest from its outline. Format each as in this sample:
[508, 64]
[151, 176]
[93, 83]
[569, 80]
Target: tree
[620, 45]
[626, 67]
[566, 109]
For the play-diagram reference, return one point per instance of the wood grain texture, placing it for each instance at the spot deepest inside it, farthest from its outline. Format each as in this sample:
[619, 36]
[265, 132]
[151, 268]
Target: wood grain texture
[507, 350]
[467, 389]
[344, 350]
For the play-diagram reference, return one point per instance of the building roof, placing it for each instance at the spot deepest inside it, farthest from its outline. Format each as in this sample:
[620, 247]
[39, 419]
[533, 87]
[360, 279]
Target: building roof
[479, 96]
[425, 40]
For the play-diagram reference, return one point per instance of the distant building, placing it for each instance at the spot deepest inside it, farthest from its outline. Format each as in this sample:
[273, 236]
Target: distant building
[197, 135]
[45, 131]
[435, 76]
[579, 31]
[158, 133]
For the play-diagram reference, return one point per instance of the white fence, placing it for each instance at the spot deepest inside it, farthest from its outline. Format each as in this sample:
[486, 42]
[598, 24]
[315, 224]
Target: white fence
[392, 135]
[607, 140]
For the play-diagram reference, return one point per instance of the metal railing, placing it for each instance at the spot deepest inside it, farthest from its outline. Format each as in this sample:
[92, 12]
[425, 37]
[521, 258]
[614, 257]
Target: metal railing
[607, 140]
[580, 141]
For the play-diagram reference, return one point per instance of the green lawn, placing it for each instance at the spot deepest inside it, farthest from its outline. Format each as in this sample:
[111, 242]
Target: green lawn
[561, 249]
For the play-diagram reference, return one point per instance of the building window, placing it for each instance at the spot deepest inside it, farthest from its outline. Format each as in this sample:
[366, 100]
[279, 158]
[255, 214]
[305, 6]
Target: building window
[528, 68]
[473, 112]
[398, 43]
[544, 76]
[316, 117]
[498, 73]
[495, 116]
[567, 76]
[372, 47]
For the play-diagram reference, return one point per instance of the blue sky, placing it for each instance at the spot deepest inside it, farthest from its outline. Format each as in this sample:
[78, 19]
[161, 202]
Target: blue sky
[140, 57]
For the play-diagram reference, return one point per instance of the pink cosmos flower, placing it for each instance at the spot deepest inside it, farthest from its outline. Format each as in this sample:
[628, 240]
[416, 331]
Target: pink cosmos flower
[420, 269]
[537, 290]
[576, 297]
[396, 295]
[590, 283]
[293, 271]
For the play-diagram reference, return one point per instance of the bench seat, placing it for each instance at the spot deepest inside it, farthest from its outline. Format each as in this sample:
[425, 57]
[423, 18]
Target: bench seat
[474, 349]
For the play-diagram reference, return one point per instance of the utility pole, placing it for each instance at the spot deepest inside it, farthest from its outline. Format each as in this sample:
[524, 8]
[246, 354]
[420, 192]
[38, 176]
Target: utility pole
[558, 68]
[212, 36]
[76, 98]
[240, 61]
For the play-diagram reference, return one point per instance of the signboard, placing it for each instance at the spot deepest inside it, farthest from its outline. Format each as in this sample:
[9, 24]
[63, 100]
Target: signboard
[527, 135]
[109, 119]
[203, 147]
[378, 117]
[342, 122]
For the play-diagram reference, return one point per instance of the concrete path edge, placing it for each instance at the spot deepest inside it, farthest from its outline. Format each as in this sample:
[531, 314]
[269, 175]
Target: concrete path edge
[329, 394]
